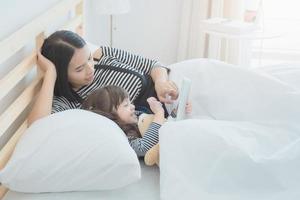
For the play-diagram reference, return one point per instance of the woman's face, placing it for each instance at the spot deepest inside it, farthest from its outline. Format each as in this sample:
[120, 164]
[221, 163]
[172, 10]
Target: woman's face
[81, 68]
[126, 112]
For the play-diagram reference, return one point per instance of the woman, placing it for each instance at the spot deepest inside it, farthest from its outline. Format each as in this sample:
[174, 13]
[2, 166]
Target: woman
[70, 74]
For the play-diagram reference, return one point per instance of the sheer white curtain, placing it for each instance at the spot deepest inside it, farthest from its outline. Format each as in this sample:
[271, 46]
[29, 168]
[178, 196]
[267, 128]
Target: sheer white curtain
[231, 49]
[192, 42]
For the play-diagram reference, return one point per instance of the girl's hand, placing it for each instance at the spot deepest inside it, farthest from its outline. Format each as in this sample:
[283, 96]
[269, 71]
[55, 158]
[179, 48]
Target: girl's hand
[188, 107]
[166, 89]
[157, 109]
[155, 106]
[45, 64]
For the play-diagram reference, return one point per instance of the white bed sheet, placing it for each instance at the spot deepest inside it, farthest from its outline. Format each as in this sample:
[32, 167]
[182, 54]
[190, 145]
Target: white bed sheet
[286, 72]
[147, 189]
[243, 142]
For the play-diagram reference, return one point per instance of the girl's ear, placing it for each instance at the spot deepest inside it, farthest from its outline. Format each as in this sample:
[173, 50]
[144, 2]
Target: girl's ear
[115, 109]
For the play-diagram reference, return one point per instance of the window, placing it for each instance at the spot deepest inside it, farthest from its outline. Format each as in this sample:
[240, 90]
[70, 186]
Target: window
[280, 20]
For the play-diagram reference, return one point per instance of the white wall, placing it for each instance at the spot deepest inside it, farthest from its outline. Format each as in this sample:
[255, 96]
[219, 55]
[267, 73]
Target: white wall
[13, 16]
[150, 28]
[15, 13]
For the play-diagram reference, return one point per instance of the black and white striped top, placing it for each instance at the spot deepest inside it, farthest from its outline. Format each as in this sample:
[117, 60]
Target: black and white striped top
[123, 69]
[150, 138]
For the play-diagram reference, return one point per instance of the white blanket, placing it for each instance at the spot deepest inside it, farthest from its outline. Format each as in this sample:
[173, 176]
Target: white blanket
[243, 141]
[228, 92]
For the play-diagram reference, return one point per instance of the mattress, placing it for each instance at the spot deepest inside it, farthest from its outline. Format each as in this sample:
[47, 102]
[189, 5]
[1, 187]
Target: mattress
[147, 188]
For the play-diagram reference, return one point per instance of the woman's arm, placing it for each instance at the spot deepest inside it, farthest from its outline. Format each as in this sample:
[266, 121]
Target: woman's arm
[163, 86]
[43, 104]
[135, 61]
[159, 74]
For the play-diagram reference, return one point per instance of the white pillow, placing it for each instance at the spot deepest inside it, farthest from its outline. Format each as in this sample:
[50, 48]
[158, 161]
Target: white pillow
[74, 150]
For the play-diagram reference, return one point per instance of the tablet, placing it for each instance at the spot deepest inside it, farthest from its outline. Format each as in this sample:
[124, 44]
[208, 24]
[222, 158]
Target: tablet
[177, 109]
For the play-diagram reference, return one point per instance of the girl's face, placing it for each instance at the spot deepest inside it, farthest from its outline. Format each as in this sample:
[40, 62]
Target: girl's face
[81, 68]
[126, 112]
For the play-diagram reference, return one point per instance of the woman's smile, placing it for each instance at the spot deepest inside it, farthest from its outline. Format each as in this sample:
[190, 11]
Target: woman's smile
[90, 78]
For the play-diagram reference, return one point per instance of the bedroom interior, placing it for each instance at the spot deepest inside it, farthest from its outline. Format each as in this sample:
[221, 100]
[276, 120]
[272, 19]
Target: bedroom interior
[247, 118]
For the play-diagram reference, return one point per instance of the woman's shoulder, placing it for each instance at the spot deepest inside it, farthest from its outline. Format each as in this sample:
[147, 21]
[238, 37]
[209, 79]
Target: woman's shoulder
[104, 51]
[61, 103]
[98, 54]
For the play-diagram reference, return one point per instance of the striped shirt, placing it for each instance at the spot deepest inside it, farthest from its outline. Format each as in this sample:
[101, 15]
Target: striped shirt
[121, 68]
[150, 138]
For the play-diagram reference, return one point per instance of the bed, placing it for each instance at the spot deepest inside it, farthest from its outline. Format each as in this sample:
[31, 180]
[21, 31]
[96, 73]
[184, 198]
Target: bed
[147, 188]
[9, 47]
[242, 142]
[70, 15]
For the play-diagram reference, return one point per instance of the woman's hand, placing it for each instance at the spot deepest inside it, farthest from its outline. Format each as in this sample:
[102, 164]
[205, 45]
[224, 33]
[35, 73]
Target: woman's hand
[167, 91]
[45, 64]
[43, 105]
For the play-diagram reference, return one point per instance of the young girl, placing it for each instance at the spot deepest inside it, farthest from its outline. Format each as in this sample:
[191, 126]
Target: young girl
[113, 102]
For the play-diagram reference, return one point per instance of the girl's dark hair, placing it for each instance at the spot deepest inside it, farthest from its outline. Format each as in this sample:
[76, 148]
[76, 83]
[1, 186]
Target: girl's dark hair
[59, 48]
[105, 101]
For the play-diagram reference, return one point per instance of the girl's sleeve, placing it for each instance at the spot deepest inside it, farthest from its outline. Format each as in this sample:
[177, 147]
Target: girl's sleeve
[142, 145]
[138, 62]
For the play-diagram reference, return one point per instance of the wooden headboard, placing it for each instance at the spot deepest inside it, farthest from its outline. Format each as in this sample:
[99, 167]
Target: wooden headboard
[73, 10]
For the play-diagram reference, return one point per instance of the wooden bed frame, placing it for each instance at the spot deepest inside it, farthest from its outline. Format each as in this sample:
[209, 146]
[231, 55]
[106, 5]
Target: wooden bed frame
[8, 48]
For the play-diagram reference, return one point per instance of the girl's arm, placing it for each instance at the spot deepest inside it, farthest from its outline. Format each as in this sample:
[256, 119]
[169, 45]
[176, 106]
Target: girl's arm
[150, 138]
[157, 109]
[43, 104]
[188, 107]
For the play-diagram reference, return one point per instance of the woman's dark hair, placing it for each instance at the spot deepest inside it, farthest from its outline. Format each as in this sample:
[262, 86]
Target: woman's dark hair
[105, 101]
[59, 48]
